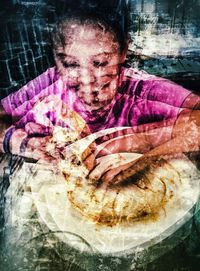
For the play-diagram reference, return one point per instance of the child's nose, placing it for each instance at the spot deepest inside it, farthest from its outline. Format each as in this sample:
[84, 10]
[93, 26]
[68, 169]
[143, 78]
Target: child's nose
[87, 76]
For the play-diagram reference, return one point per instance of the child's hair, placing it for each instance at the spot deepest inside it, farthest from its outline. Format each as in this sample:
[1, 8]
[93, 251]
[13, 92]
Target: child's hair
[112, 15]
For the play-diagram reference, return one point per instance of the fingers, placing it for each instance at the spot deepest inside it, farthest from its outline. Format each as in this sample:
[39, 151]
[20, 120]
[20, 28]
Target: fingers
[134, 168]
[32, 128]
[88, 156]
[124, 143]
[36, 148]
[64, 109]
[90, 162]
[18, 136]
[55, 103]
[51, 100]
[109, 166]
[115, 134]
[109, 177]
[88, 151]
[85, 132]
[105, 172]
[111, 146]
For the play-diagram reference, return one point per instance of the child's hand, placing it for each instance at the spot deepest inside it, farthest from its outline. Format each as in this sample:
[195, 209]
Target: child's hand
[21, 143]
[54, 126]
[117, 143]
[32, 128]
[52, 111]
[89, 157]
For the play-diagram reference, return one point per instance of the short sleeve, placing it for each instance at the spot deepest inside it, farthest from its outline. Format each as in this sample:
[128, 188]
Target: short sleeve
[18, 103]
[146, 111]
[153, 88]
[164, 91]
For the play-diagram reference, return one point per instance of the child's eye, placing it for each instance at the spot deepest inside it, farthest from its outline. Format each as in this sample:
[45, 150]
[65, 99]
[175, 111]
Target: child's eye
[100, 64]
[70, 64]
[77, 87]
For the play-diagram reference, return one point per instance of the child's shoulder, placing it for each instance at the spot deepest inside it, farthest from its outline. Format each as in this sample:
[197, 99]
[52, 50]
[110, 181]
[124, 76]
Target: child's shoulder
[41, 86]
[137, 82]
[135, 74]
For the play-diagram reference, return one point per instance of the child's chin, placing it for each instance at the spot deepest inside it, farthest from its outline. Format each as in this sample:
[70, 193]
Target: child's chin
[91, 106]
[94, 107]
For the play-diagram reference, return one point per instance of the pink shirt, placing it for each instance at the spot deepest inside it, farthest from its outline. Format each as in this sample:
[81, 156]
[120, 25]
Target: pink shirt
[140, 99]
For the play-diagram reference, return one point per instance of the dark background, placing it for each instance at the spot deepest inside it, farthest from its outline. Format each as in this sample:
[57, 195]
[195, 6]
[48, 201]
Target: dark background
[165, 40]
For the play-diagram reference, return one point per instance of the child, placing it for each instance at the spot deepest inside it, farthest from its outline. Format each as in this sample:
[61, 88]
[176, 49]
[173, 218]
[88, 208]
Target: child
[90, 47]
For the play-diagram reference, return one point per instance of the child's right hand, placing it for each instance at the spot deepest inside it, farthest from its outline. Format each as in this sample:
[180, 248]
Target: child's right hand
[41, 126]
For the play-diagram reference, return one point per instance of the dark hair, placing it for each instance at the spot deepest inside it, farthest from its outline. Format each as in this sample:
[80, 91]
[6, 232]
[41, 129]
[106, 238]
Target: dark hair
[113, 15]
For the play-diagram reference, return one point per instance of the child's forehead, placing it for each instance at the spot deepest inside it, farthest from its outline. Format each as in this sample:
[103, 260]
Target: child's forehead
[93, 31]
[88, 39]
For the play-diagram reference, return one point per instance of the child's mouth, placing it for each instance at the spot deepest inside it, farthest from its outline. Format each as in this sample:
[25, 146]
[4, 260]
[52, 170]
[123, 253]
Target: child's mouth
[96, 105]
[95, 102]
[96, 90]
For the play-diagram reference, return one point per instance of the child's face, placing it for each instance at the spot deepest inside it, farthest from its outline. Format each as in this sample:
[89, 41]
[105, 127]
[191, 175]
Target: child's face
[89, 64]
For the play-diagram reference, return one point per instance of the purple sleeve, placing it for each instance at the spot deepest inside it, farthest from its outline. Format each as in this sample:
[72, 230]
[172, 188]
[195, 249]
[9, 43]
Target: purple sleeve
[164, 91]
[153, 88]
[146, 111]
[21, 101]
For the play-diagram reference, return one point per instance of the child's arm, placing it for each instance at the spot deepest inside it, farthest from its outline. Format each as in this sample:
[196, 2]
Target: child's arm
[18, 140]
[40, 127]
[5, 122]
[166, 139]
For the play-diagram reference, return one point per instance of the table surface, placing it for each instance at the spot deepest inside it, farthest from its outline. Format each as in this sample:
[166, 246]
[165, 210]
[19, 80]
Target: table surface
[37, 248]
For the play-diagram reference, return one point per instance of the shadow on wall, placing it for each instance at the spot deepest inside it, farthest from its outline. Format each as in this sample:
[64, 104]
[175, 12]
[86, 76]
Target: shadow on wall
[165, 40]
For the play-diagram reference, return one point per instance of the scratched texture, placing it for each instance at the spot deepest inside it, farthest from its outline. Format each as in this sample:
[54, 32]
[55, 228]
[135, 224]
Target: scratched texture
[165, 41]
[28, 244]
